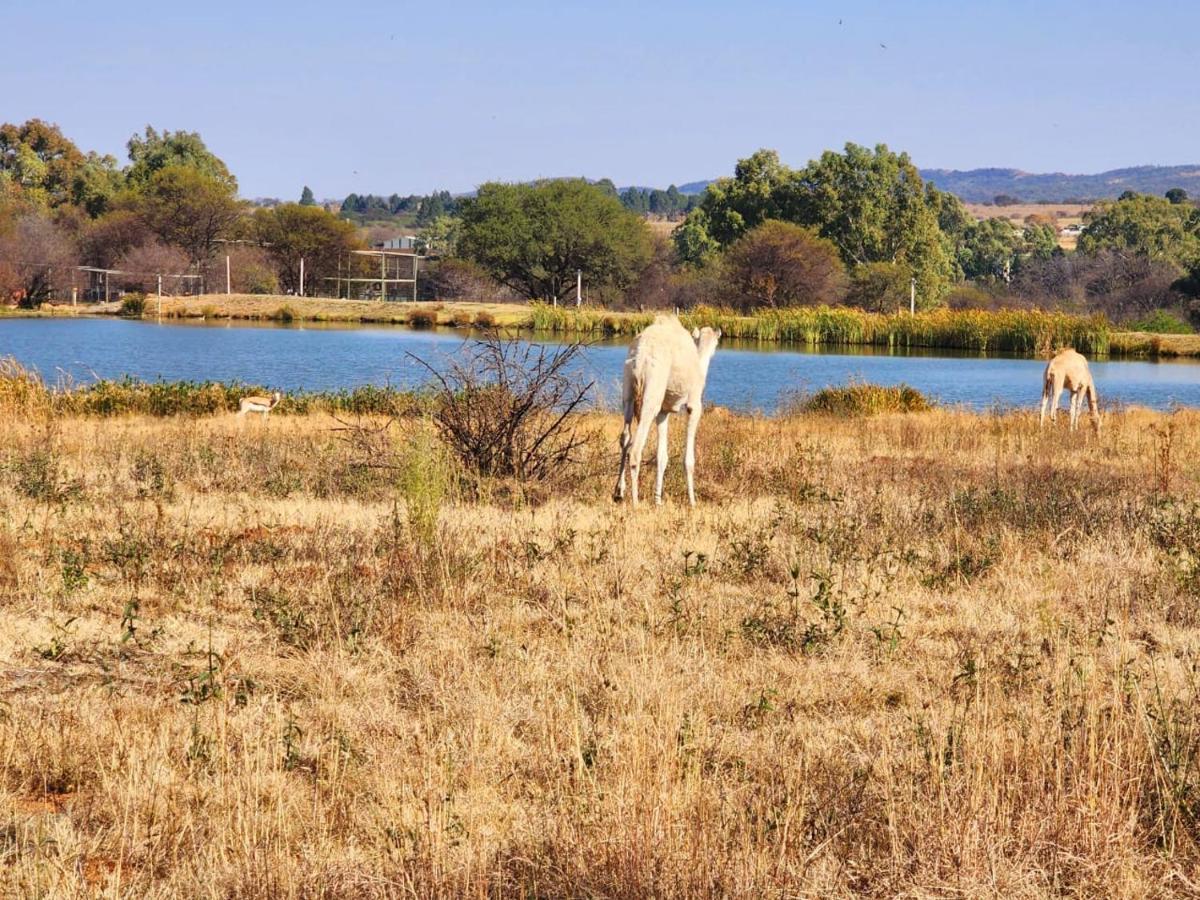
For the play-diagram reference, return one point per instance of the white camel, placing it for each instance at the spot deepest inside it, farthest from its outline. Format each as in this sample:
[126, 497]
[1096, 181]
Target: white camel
[259, 404]
[1069, 369]
[664, 373]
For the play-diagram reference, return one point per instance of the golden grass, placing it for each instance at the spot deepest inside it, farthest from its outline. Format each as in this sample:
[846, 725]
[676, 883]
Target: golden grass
[324, 309]
[924, 654]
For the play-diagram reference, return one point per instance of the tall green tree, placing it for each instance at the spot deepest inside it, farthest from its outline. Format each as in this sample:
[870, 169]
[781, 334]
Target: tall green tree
[1152, 226]
[534, 237]
[39, 162]
[290, 232]
[306, 197]
[189, 210]
[153, 151]
[871, 203]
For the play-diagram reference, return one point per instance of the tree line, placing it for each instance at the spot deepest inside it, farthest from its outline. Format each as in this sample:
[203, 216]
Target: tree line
[857, 227]
[168, 211]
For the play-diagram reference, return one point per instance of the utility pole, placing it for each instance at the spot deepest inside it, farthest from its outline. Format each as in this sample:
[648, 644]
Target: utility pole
[302, 276]
[578, 287]
[160, 296]
[912, 296]
[228, 290]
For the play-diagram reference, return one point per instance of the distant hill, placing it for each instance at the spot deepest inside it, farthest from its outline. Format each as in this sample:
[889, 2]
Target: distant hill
[982, 185]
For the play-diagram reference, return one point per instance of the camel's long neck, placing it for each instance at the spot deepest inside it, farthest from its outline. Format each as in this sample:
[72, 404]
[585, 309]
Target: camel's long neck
[705, 359]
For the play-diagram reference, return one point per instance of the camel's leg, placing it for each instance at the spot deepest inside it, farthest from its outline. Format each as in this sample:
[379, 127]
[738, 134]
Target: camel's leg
[1046, 388]
[639, 445]
[626, 440]
[1093, 403]
[1076, 396]
[653, 392]
[1056, 400]
[661, 419]
[689, 457]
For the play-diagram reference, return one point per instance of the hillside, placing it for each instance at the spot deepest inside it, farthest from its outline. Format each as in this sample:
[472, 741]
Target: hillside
[982, 185]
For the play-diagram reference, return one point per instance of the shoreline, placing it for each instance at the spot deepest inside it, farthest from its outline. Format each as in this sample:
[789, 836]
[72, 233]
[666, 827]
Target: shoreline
[1024, 334]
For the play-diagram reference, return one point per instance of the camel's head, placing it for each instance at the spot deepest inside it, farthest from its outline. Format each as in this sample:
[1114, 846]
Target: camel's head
[706, 340]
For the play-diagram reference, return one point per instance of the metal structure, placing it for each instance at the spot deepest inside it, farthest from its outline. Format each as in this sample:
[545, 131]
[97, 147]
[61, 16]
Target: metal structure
[392, 272]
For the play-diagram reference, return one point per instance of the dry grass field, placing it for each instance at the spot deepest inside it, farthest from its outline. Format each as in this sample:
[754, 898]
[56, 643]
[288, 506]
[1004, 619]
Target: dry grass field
[934, 654]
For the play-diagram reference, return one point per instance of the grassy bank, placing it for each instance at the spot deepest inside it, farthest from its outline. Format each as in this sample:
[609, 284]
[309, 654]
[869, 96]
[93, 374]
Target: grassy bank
[23, 393]
[918, 654]
[1014, 332]
[318, 309]
[1022, 332]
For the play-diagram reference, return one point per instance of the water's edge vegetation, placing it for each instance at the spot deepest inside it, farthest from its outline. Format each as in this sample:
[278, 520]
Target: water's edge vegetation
[1023, 332]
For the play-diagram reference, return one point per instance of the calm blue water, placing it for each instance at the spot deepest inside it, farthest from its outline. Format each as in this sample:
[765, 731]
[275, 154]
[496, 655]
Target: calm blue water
[741, 377]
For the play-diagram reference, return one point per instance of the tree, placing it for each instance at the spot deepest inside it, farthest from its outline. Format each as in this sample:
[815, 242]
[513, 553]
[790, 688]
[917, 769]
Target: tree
[988, 250]
[1142, 224]
[534, 237]
[96, 184]
[306, 197]
[732, 206]
[871, 203]
[38, 259]
[780, 264]
[153, 152]
[694, 244]
[39, 161]
[291, 232]
[880, 287]
[189, 210]
[1177, 196]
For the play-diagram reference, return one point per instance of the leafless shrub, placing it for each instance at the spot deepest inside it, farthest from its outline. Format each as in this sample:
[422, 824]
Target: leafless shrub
[510, 409]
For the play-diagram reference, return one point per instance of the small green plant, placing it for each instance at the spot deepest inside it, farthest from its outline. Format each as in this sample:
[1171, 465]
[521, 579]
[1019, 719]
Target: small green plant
[888, 634]
[1161, 322]
[133, 306]
[292, 735]
[151, 476]
[205, 684]
[38, 477]
[56, 648]
[74, 569]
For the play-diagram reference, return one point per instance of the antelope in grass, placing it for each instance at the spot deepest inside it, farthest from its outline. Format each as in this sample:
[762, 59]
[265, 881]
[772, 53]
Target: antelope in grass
[259, 404]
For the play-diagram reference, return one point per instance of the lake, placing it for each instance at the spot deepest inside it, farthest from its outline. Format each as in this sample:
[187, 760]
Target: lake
[742, 376]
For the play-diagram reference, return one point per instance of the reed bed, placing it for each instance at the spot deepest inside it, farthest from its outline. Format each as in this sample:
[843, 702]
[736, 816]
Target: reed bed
[858, 400]
[1009, 331]
[928, 654]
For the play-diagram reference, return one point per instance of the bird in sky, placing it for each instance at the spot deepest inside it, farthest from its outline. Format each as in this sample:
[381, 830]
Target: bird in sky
[884, 46]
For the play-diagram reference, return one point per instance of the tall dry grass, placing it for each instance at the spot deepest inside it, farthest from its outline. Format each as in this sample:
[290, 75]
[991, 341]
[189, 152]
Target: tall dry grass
[929, 654]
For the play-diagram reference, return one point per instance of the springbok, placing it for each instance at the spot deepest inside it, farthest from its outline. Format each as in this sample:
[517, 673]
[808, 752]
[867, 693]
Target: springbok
[664, 373]
[1069, 369]
[259, 404]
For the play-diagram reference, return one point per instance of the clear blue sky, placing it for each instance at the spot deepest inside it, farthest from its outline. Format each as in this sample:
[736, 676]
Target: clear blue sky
[392, 97]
